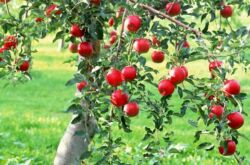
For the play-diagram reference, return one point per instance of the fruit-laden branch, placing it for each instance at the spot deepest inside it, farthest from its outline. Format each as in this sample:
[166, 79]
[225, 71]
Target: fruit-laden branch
[159, 13]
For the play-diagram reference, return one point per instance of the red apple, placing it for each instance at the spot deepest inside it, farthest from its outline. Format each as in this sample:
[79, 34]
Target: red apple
[24, 66]
[4, 1]
[166, 87]
[10, 42]
[216, 110]
[235, 119]
[215, 64]
[112, 39]
[73, 47]
[231, 87]
[85, 49]
[131, 109]
[111, 21]
[53, 9]
[141, 45]
[132, 23]
[113, 33]
[185, 70]
[155, 41]
[106, 46]
[81, 85]
[173, 8]
[118, 98]
[119, 12]
[230, 148]
[39, 19]
[95, 2]
[227, 11]
[129, 73]
[76, 31]
[177, 75]
[114, 77]
[157, 56]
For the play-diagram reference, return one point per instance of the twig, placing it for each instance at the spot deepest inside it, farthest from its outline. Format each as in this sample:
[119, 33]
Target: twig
[159, 13]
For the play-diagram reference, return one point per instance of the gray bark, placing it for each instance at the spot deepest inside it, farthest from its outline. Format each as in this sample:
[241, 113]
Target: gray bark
[72, 146]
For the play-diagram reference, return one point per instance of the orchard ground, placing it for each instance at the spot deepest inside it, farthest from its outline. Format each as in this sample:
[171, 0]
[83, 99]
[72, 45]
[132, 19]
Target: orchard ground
[32, 117]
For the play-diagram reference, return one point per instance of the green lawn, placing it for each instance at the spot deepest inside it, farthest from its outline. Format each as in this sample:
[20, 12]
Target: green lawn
[32, 117]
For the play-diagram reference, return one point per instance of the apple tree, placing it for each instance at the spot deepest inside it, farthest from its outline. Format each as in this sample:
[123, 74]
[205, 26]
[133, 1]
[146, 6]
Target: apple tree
[115, 82]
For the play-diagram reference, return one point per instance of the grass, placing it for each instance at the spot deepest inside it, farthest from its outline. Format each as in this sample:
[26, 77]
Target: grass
[32, 117]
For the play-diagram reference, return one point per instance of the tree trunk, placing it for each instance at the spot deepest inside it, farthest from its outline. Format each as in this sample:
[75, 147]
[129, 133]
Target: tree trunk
[75, 141]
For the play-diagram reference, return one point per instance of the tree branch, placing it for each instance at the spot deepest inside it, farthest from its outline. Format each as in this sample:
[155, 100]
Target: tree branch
[158, 13]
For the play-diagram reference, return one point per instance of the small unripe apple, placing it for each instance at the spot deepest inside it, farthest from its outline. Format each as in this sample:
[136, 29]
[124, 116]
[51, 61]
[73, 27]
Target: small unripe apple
[231, 148]
[131, 109]
[81, 85]
[111, 21]
[95, 2]
[119, 12]
[155, 41]
[227, 11]
[231, 87]
[112, 39]
[166, 87]
[236, 120]
[132, 23]
[177, 75]
[215, 64]
[73, 47]
[10, 42]
[173, 8]
[216, 110]
[76, 31]
[157, 56]
[118, 98]
[114, 77]
[129, 73]
[39, 19]
[141, 45]
[24, 66]
[85, 49]
[53, 9]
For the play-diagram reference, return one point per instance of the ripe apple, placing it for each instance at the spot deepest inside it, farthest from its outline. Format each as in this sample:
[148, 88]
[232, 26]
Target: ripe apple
[111, 21]
[166, 87]
[24, 66]
[157, 56]
[141, 45]
[129, 73]
[81, 85]
[177, 75]
[4, 1]
[131, 109]
[10, 42]
[112, 39]
[215, 64]
[173, 8]
[39, 19]
[216, 110]
[155, 41]
[185, 70]
[95, 2]
[132, 23]
[227, 11]
[76, 31]
[114, 77]
[118, 98]
[231, 87]
[106, 46]
[73, 47]
[231, 148]
[113, 33]
[85, 49]
[119, 12]
[235, 119]
[53, 9]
